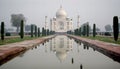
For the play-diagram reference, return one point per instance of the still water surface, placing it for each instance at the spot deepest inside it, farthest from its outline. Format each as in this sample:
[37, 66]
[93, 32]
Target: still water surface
[61, 52]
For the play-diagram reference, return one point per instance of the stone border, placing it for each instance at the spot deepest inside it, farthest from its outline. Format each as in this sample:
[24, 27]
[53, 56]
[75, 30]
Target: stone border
[15, 48]
[109, 49]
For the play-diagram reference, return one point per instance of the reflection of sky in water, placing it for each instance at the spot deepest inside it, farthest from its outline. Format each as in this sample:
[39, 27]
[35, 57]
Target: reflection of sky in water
[61, 53]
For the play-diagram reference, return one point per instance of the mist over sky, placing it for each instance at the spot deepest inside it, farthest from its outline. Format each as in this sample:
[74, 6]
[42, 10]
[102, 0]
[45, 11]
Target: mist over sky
[100, 12]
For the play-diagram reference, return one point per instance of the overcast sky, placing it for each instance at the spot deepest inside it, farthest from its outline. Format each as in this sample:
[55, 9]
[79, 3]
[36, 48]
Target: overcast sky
[100, 12]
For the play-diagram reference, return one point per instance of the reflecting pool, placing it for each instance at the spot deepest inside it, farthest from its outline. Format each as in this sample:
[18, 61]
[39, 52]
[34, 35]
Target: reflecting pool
[61, 52]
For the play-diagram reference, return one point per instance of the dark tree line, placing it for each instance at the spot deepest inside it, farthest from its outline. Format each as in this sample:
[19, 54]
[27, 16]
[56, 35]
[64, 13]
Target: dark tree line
[84, 30]
[46, 32]
[37, 32]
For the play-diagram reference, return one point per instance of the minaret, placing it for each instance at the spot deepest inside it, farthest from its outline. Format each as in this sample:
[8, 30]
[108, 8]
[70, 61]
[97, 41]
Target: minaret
[46, 26]
[78, 21]
[51, 24]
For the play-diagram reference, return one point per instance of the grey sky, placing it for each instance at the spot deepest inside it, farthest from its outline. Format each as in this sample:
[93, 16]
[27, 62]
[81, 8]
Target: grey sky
[100, 12]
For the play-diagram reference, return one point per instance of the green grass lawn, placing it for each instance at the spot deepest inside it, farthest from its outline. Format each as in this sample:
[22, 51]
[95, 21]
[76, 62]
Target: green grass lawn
[105, 39]
[16, 39]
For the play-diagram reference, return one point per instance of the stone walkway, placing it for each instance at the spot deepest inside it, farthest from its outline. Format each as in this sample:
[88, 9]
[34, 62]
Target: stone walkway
[109, 49]
[14, 48]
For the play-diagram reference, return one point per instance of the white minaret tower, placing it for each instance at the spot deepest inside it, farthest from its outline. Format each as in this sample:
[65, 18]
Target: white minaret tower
[78, 21]
[46, 26]
[51, 24]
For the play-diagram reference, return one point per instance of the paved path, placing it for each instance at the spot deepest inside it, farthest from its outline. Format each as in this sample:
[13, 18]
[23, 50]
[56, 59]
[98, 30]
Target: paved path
[14, 48]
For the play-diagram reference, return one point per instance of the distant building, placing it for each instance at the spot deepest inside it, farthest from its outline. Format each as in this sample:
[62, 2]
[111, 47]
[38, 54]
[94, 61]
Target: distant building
[61, 23]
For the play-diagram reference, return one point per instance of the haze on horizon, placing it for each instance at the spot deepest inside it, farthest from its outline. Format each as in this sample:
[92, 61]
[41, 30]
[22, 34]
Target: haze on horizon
[100, 12]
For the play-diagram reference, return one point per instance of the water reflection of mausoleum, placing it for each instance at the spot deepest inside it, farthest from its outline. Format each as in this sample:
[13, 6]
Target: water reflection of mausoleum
[61, 45]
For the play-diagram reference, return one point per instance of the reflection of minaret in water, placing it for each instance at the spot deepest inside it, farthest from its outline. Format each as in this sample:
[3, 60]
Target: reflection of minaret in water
[50, 45]
[78, 47]
[78, 21]
[45, 47]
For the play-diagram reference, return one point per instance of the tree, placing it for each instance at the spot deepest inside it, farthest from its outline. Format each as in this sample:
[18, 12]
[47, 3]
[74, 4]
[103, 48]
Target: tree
[76, 32]
[31, 30]
[27, 27]
[2, 30]
[69, 32]
[80, 31]
[43, 32]
[52, 32]
[84, 30]
[38, 32]
[115, 28]
[94, 30]
[35, 31]
[22, 29]
[87, 29]
[47, 31]
[108, 27]
[16, 20]
[119, 27]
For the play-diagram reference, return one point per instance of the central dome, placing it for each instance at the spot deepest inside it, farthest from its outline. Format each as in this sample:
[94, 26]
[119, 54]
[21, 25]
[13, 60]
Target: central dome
[61, 55]
[61, 13]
